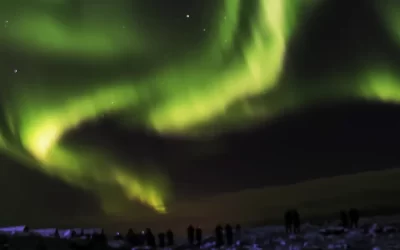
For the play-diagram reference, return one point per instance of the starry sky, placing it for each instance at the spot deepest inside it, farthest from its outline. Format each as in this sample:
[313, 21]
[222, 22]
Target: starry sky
[139, 110]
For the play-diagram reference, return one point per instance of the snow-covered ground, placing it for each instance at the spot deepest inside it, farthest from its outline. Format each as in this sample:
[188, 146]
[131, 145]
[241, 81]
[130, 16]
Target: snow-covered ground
[377, 233]
[369, 236]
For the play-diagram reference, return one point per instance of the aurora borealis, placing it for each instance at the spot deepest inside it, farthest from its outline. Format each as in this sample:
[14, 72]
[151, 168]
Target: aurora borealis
[221, 66]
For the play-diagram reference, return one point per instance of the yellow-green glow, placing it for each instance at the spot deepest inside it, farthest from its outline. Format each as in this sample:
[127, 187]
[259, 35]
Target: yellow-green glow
[136, 190]
[389, 10]
[189, 92]
[381, 84]
[258, 72]
[46, 101]
[98, 33]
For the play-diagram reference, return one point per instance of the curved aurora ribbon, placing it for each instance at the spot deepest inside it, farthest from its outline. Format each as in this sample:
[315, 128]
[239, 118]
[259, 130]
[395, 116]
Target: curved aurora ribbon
[177, 85]
[176, 97]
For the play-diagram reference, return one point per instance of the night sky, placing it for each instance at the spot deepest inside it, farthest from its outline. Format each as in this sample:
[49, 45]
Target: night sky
[167, 111]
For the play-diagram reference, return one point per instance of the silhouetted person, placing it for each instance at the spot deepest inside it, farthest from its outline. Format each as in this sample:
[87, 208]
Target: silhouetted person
[56, 234]
[98, 241]
[150, 239]
[129, 233]
[95, 237]
[238, 233]
[170, 238]
[199, 236]
[161, 240]
[102, 236]
[229, 234]
[296, 221]
[354, 215]
[219, 236]
[73, 234]
[131, 237]
[190, 235]
[141, 238]
[344, 219]
[288, 221]
[118, 236]
[26, 229]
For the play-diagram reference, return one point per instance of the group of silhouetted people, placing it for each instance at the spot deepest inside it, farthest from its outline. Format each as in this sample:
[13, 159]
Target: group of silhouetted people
[194, 236]
[222, 235]
[229, 235]
[350, 219]
[147, 238]
[96, 237]
[292, 221]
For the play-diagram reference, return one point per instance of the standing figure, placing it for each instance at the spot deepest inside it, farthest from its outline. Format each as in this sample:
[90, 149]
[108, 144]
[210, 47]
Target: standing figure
[141, 238]
[288, 221]
[229, 234]
[354, 215]
[296, 221]
[170, 238]
[344, 219]
[161, 240]
[150, 239]
[117, 236]
[238, 234]
[102, 236]
[219, 236]
[199, 236]
[130, 237]
[190, 235]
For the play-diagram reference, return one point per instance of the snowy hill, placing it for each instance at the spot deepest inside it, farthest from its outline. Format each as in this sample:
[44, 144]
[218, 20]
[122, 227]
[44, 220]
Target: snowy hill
[323, 197]
[375, 233]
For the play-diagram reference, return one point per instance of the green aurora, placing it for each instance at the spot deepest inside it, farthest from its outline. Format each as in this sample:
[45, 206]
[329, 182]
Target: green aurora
[216, 81]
